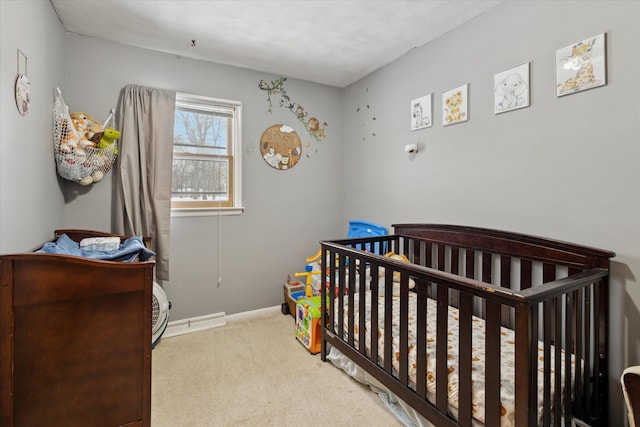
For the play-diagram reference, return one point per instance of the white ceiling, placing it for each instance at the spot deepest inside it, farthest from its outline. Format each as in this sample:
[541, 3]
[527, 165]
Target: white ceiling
[334, 42]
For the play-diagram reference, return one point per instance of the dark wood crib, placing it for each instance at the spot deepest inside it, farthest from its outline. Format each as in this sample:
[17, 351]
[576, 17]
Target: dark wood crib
[551, 295]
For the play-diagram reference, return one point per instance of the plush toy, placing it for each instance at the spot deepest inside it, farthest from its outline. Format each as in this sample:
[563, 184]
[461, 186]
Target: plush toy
[97, 176]
[86, 180]
[87, 125]
[108, 137]
[396, 274]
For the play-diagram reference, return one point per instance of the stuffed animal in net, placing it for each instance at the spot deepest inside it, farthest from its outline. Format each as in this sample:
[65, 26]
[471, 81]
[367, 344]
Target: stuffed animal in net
[103, 156]
[94, 149]
[109, 136]
[86, 124]
[76, 138]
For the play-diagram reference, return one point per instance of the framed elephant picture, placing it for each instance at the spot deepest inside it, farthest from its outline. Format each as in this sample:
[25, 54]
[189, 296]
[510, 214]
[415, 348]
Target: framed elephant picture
[511, 89]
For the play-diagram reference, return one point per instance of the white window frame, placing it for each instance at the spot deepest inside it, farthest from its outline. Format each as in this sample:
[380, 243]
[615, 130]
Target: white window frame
[205, 103]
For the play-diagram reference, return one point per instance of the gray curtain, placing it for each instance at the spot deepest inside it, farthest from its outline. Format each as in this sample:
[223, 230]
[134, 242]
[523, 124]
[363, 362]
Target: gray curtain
[142, 189]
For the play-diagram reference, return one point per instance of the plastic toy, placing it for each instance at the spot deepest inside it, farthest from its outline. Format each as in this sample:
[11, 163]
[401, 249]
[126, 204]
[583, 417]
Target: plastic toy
[315, 258]
[308, 323]
[308, 282]
[292, 292]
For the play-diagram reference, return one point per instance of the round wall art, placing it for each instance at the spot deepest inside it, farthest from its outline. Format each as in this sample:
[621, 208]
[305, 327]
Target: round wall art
[23, 94]
[280, 147]
[23, 88]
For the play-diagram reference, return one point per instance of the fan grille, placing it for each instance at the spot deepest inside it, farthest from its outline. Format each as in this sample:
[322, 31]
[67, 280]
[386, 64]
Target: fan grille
[160, 307]
[155, 314]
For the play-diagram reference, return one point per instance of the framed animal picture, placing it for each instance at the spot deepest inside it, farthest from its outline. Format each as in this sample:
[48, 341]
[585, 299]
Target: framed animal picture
[421, 113]
[455, 105]
[581, 66]
[511, 88]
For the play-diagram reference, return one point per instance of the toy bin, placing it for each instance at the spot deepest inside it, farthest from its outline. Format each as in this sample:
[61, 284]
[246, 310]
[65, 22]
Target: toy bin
[308, 324]
[292, 291]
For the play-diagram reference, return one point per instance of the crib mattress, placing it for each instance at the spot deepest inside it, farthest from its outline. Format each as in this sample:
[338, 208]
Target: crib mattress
[507, 361]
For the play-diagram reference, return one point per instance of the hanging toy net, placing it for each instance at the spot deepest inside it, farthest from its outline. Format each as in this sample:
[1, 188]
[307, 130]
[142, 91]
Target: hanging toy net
[84, 148]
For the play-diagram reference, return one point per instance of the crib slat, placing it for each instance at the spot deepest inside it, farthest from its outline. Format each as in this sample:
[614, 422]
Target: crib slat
[421, 341]
[469, 272]
[454, 297]
[505, 271]
[441, 259]
[464, 374]
[549, 275]
[492, 364]
[486, 267]
[403, 362]
[375, 281]
[351, 302]
[331, 259]
[548, 272]
[525, 370]
[341, 287]
[428, 256]
[486, 274]
[568, 339]
[525, 273]
[505, 282]
[388, 320]
[441, 348]
[557, 388]
[403, 247]
[579, 396]
[600, 291]
[416, 255]
[362, 319]
[470, 264]
[546, 396]
[589, 332]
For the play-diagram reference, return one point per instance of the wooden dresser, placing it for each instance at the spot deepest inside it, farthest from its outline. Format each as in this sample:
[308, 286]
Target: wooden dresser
[75, 341]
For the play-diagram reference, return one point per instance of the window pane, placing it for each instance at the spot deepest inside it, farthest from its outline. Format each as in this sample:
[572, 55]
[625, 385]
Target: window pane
[197, 179]
[200, 132]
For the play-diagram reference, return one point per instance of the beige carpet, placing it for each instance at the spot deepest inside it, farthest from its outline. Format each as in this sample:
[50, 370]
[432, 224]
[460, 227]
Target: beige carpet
[255, 373]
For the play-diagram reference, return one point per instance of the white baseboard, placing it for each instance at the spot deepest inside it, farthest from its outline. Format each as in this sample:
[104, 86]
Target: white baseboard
[194, 324]
[216, 320]
[254, 313]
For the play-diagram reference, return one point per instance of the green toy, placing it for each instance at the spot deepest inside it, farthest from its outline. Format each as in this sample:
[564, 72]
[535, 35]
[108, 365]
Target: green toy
[108, 137]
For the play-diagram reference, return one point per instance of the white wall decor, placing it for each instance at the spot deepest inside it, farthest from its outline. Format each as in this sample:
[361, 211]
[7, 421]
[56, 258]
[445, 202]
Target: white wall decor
[454, 105]
[581, 66]
[511, 89]
[23, 87]
[421, 113]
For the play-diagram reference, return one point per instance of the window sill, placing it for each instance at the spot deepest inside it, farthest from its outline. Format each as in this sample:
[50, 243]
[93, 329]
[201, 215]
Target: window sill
[178, 213]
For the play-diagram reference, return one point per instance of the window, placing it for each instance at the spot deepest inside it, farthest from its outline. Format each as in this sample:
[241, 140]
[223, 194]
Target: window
[206, 156]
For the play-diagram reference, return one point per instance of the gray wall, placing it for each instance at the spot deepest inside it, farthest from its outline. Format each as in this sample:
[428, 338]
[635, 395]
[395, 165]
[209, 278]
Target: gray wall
[31, 203]
[566, 168]
[287, 212]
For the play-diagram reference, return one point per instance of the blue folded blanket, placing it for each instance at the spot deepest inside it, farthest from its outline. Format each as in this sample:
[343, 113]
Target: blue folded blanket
[132, 249]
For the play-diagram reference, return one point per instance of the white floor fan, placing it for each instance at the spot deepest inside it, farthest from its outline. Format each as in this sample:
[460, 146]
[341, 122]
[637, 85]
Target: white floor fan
[159, 313]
